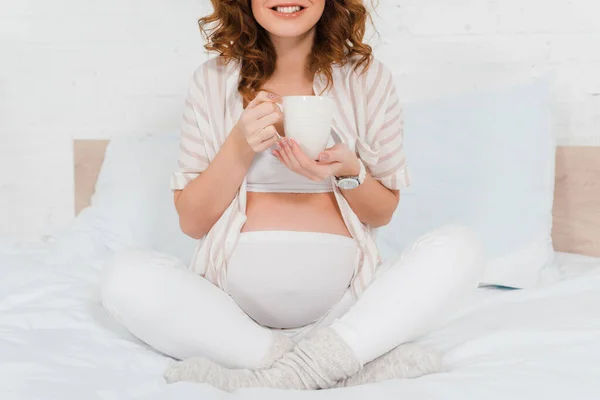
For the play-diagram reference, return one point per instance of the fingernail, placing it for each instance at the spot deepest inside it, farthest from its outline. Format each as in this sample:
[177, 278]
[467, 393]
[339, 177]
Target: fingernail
[324, 157]
[272, 96]
[284, 142]
[292, 143]
[278, 145]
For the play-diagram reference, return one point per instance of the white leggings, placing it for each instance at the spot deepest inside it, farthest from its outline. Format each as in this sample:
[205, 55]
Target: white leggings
[183, 315]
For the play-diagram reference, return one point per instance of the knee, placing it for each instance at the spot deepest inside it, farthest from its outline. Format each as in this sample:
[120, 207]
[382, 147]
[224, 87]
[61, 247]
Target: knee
[127, 275]
[118, 277]
[456, 236]
[457, 244]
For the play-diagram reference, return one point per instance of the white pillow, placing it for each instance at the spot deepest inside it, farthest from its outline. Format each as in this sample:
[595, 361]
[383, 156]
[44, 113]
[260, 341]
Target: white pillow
[485, 160]
[132, 199]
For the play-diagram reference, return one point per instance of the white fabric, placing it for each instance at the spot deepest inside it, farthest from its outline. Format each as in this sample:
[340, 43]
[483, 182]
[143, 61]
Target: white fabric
[132, 203]
[486, 160]
[286, 279]
[58, 343]
[183, 315]
[268, 174]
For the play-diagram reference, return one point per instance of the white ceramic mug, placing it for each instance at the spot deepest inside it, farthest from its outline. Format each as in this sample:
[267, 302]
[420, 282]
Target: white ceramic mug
[307, 120]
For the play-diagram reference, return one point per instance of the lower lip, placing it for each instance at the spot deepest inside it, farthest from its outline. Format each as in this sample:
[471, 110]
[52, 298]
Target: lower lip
[288, 15]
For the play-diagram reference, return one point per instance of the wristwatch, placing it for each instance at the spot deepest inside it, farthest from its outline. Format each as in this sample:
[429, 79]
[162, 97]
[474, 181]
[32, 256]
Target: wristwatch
[352, 182]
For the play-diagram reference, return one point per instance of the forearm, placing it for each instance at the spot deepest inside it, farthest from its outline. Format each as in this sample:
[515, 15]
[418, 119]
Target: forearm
[373, 203]
[202, 202]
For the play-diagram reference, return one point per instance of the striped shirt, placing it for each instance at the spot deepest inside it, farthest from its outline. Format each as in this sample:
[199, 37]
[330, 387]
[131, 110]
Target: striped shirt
[367, 117]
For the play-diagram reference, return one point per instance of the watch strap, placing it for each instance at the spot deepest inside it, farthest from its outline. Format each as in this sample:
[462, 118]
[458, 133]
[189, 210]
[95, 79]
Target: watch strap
[362, 174]
[359, 179]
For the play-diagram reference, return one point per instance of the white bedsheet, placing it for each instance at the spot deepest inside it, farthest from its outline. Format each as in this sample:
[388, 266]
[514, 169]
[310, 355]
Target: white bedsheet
[57, 343]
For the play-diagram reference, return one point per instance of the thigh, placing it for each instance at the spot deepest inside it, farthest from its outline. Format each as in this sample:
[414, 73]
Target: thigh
[415, 293]
[178, 312]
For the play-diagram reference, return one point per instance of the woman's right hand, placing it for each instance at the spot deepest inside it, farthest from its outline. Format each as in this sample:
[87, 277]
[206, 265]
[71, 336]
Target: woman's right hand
[257, 121]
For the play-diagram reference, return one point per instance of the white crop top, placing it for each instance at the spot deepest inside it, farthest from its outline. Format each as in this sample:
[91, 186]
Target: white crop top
[268, 174]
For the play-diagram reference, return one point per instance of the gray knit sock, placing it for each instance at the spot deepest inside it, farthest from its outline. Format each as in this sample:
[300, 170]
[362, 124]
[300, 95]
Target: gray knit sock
[408, 360]
[281, 344]
[318, 361]
[192, 368]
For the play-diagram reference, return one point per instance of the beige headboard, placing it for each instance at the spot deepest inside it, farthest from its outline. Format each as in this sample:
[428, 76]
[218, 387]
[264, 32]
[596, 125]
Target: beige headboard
[576, 213]
[576, 227]
[88, 156]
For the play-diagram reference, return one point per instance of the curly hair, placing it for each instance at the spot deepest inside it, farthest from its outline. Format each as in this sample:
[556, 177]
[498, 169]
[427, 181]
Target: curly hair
[232, 31]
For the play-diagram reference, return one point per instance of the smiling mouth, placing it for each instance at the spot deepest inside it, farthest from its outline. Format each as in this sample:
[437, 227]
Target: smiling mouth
[287, 9]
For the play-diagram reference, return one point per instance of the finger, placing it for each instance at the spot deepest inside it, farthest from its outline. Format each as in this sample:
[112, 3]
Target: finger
[300, 161]
[261, 97]
[334, 154]
[319, 162]
[276, 154]
[270, 119]
[302, 158]
[286, 157]
[267, 133]
[283, 154]
[287, 148]
[318, 170]
[266, 144]
[262, 145]
[310, 166]
[263, 109]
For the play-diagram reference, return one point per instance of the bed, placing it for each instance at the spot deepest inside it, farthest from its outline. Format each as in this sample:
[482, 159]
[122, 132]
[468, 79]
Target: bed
[56, 342]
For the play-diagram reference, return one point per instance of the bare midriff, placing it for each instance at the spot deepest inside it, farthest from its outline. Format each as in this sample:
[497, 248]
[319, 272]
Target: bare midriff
[306, 212]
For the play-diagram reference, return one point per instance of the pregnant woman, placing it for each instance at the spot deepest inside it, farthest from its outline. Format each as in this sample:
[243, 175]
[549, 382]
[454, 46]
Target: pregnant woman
[287, 288]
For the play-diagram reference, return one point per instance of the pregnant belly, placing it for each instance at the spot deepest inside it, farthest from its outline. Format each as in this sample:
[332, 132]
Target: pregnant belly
[306, 212]
[287, 279]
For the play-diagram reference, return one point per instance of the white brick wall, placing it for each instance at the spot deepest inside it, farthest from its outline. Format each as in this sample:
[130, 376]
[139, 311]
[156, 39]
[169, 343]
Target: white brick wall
[98, 69]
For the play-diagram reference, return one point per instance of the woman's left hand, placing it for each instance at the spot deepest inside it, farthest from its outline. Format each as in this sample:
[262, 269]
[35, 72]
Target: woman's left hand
[338, 160]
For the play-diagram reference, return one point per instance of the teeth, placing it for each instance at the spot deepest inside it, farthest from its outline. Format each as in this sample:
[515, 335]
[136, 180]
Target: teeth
[289, 10]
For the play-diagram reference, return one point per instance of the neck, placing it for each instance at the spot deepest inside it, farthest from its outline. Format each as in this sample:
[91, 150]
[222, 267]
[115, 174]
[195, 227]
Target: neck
[293, 55]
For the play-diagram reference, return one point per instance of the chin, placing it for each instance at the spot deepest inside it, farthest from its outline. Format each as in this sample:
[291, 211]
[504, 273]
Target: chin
[288, 18]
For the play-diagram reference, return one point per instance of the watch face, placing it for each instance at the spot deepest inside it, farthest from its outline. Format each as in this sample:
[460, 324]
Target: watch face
[347, 183]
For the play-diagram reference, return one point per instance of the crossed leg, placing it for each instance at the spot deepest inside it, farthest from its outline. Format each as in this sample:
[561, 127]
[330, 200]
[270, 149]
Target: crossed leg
[415, 294]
